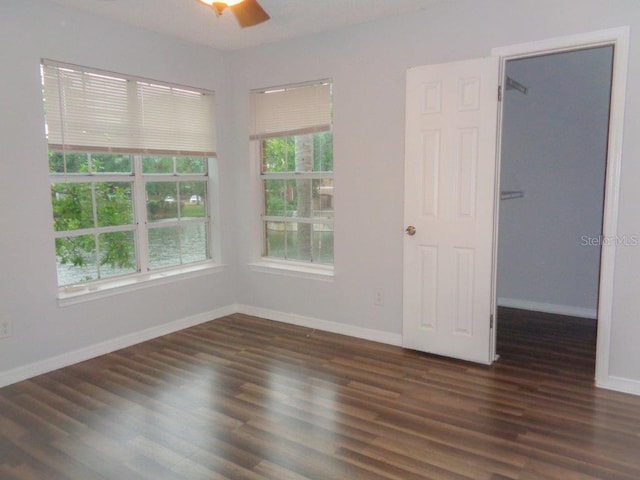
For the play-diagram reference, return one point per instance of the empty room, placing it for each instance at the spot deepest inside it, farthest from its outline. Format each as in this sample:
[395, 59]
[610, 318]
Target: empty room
[308, 240]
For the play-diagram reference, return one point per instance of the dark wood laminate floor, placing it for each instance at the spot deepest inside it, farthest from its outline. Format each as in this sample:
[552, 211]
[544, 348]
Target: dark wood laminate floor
[245, 398]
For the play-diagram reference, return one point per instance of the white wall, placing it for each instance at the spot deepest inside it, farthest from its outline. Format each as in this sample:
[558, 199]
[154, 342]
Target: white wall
[554, 149]
[31, 30]
[367, 64]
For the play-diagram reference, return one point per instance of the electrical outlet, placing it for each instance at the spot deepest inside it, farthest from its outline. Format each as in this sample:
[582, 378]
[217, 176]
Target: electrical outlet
[5, 327]
[378, 297]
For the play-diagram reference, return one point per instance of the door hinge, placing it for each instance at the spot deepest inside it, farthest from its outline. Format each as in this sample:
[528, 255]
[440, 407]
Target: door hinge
[499, 93]
[491, 321]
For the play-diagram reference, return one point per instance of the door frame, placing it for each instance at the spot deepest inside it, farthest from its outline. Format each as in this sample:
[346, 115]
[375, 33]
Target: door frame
[619, 39]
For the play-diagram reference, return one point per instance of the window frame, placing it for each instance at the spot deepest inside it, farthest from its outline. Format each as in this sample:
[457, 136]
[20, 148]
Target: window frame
[96, 230]
[176, 178]
[287, 219]
[141, 226]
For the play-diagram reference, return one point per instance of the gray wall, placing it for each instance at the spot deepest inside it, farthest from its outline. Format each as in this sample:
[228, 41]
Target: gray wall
[31, 30]
[367, 64]
[554, 149]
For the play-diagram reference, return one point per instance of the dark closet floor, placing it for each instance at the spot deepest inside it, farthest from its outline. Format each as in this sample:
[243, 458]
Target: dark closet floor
[548, 343]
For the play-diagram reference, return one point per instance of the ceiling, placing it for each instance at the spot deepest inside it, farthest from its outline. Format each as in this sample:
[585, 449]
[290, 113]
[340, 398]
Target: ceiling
[192, 21]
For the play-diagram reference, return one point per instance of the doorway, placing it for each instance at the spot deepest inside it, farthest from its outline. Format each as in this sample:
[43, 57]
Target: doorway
[451, 178]
[618, 38]
[554, 143]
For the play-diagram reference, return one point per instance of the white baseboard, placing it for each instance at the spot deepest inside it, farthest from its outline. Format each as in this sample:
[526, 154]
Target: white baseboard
[37, 368]
[92, 351]
[548, 308]
[325, 325]
[47, 365]
[620, 384]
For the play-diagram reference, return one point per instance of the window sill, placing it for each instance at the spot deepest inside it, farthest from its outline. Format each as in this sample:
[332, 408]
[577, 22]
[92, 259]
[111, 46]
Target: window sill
[74, 294]
[323, 273]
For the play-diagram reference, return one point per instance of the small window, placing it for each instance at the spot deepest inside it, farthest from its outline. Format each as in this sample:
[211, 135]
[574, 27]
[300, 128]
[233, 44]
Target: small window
[292, 127]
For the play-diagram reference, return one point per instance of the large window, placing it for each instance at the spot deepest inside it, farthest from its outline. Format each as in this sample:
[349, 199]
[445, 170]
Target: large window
[129, 163]
[291, 128]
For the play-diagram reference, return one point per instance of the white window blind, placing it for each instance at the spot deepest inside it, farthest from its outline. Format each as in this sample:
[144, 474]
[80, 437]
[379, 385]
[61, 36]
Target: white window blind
[89, 110]
[294, 110]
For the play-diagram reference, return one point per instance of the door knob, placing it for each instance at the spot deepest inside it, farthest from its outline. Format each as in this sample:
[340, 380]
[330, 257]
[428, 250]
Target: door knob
[410, 230]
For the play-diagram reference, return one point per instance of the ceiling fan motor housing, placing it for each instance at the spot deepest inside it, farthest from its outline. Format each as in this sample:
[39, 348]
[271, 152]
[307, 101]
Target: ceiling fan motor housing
[219, 7]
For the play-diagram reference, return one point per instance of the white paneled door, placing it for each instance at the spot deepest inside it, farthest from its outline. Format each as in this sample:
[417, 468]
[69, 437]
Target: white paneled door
[450, 179]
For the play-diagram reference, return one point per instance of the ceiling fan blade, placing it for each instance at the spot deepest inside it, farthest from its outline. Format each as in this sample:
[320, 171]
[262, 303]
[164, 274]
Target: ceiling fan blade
[249, 13]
